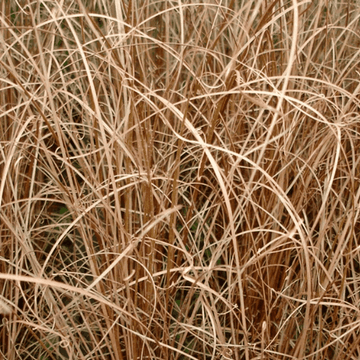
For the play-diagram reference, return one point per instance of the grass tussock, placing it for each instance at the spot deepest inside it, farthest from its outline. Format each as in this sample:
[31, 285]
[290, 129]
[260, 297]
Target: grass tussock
[179, 180]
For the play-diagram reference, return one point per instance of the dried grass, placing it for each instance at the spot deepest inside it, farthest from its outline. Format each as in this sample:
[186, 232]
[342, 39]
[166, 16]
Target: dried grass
[179, 180]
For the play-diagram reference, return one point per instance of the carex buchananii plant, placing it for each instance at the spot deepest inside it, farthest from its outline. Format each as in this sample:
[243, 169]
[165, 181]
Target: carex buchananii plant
[179, 179]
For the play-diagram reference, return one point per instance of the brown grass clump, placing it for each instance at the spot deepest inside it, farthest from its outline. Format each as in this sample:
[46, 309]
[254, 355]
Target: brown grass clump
[179, 180]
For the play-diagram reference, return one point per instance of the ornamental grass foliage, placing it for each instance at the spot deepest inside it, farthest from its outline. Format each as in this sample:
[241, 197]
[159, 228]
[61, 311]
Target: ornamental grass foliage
[179, 179]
